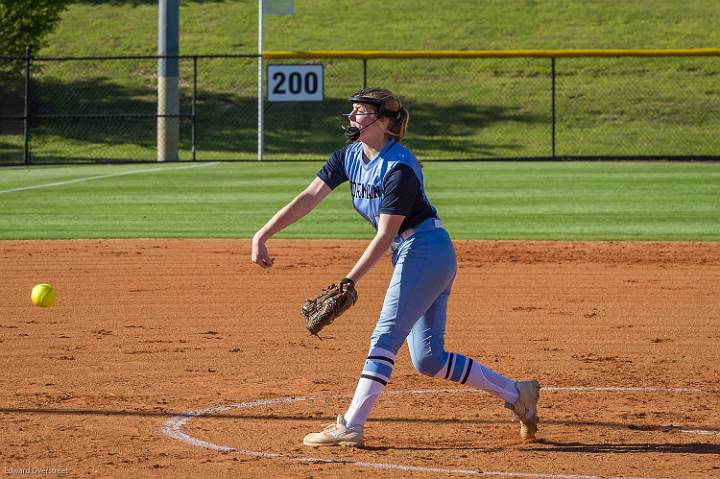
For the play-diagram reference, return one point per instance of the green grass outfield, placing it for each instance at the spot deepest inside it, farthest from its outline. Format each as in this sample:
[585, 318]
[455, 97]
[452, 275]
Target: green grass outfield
[477, 200]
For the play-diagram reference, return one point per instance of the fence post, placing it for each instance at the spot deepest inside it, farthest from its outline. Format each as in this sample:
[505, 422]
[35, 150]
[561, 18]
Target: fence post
[260, 105]
[364, 73]
[194, 105]
[553, 108]
[26, 114]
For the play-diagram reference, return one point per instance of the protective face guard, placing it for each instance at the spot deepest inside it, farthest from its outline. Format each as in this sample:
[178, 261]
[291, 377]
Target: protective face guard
[352, 133]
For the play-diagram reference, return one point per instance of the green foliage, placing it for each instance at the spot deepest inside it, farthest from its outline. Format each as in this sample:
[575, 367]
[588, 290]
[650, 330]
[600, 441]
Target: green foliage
[28, 23]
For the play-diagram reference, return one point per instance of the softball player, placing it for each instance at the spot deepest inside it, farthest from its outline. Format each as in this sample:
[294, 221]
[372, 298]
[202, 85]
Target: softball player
[386, 186]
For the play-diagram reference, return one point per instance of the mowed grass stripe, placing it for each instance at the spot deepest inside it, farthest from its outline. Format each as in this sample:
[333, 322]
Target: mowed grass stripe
[107, 175]
[477, 200]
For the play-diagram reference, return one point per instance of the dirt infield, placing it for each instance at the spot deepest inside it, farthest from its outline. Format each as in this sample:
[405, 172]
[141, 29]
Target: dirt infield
[145, 332]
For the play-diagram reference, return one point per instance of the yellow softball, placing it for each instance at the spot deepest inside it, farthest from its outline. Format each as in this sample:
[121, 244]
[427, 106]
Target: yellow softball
[43, 295]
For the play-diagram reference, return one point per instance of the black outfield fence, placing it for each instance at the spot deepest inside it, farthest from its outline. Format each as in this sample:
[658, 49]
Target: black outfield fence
[463, 105]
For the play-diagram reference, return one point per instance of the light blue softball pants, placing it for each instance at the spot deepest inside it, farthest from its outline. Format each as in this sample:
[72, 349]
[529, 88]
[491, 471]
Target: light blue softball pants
[416, 301]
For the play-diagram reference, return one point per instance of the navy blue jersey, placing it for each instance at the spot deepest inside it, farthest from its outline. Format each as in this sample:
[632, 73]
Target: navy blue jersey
[392, 183]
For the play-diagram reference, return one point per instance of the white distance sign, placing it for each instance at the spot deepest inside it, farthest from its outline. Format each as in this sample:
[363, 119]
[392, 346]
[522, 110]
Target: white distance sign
[295, 82]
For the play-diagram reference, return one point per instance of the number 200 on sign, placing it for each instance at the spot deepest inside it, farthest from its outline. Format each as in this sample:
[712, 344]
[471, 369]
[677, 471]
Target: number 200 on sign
[295, 82]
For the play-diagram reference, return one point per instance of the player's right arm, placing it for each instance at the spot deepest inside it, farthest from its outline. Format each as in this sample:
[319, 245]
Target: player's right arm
[301, 205]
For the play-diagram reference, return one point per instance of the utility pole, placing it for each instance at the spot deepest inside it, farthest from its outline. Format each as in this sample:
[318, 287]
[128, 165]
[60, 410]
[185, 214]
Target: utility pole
[168, 128]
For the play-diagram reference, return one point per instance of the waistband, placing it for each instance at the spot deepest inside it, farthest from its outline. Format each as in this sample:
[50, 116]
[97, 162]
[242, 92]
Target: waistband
[427, 225]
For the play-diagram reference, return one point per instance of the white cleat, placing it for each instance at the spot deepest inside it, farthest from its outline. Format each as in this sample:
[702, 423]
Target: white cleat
[525, 408]
[337, 434]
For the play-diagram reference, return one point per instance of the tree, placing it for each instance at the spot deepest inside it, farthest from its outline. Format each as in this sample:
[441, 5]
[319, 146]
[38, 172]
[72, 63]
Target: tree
[22, 23]
[27, 22]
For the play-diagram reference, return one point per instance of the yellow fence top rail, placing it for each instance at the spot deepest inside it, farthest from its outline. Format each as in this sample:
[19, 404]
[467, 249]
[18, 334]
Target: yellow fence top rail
[669, 52]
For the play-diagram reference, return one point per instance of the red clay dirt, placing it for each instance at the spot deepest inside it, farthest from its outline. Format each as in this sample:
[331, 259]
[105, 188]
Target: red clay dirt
[145, 331]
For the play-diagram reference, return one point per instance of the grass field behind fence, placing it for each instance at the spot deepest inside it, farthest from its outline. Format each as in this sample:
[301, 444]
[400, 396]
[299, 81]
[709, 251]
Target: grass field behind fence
[463, 109]
[460, 108]
[492, 200]
[91, 27]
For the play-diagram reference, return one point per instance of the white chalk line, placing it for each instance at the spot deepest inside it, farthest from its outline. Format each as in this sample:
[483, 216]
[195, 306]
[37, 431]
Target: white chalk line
[587, 389]
[173, 429]
[702, 432]
[109, 175]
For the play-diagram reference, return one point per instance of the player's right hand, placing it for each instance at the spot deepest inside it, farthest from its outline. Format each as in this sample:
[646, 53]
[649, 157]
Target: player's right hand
[260, 254]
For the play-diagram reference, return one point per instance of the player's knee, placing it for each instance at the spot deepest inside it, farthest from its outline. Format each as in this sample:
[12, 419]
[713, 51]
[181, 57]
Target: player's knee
[429, 364]
[386, 341]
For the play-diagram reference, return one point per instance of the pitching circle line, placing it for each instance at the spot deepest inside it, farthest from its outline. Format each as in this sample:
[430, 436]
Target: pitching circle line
[173, 429]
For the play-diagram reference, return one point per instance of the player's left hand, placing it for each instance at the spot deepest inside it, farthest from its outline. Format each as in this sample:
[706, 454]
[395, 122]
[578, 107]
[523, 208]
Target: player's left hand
[330, 303]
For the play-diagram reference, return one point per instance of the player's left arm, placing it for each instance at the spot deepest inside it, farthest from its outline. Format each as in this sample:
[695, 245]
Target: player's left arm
[388, 227]
[401, 186]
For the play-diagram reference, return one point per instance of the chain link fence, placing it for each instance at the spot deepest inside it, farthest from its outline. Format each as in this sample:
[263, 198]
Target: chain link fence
[105, 108]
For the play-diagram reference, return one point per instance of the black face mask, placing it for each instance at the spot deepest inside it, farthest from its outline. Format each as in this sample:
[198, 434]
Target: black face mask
[352, 133]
